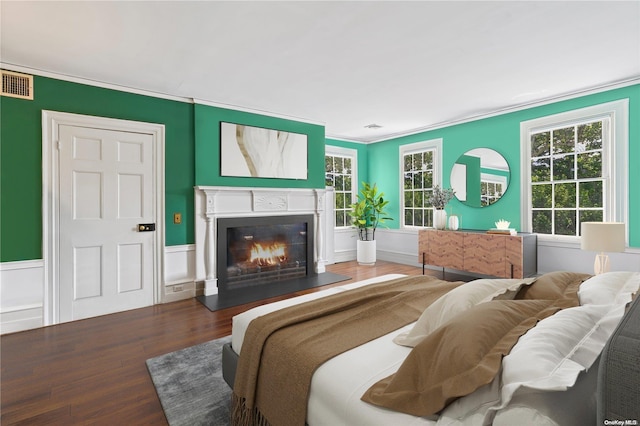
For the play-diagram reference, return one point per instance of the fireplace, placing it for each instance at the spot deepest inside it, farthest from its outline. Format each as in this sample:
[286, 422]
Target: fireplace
[263, 249]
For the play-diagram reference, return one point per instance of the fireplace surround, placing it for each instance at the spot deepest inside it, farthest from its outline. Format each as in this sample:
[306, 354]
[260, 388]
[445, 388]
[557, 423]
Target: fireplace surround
[215, 202]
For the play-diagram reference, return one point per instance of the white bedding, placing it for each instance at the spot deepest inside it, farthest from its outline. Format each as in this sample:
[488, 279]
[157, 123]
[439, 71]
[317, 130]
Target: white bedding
[356, 370]
[333, 405]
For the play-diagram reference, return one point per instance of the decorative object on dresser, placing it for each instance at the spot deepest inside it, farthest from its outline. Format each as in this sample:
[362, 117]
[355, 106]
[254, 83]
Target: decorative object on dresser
[499, 255]
[502, 227]
[366, 215]
[439, 199]
[602, 237]
[454, 222]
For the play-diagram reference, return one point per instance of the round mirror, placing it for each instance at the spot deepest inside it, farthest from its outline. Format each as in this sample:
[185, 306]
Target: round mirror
[480, 177]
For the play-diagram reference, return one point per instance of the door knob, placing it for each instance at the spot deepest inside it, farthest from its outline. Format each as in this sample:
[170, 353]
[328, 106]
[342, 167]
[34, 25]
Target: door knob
[146, 227]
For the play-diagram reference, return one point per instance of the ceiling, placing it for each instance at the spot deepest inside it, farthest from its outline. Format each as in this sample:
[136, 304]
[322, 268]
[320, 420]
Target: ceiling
[406, 66]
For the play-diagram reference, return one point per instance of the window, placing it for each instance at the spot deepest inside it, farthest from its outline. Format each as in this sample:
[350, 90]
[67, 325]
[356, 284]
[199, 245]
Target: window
[421, 171]
[491, 190]
[341, 174]
[575, 169]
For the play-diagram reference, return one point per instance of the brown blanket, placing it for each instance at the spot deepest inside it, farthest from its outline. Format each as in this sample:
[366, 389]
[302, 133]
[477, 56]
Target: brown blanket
[284, 348]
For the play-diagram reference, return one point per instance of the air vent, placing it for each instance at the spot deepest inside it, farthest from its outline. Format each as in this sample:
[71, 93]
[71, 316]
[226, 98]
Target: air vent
[17, 85]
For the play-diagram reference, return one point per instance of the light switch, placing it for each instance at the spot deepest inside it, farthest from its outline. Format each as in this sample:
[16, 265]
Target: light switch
[177, 218]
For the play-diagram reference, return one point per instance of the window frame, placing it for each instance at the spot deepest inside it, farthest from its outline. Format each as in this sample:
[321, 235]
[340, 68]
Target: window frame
[338, 151]
[615, 160]
[434, 145]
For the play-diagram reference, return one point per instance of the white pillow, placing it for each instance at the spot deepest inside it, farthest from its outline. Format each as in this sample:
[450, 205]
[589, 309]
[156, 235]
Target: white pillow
[574, 407]
[609, 288]
[472, 409]
[458, 300]
[551, 355]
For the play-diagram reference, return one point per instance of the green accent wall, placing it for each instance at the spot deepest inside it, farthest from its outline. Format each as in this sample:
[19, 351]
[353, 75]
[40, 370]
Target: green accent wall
[207, 145]
[192, 156]
[21, 156]
[192, 141]
[502, 133]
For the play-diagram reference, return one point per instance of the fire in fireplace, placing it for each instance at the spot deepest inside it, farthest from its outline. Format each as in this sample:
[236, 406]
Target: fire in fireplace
[263, 249]
[268, 254]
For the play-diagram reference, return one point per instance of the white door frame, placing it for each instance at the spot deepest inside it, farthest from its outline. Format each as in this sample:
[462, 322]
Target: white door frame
[51, 120]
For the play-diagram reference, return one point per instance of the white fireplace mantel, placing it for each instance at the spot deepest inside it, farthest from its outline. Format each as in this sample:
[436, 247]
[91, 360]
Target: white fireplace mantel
[213, 202]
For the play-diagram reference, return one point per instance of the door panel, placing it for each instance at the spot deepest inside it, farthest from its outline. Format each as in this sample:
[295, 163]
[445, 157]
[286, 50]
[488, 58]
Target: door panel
[106, 190]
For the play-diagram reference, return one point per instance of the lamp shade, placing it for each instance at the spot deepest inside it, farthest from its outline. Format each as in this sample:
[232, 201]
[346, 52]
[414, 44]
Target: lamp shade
[602, 236]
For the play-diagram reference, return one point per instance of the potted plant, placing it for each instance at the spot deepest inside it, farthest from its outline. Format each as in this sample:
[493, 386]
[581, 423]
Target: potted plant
[439, 199]
[366, 215]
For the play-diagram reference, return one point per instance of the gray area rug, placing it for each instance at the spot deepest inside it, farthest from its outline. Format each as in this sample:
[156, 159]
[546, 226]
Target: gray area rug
[190, 386]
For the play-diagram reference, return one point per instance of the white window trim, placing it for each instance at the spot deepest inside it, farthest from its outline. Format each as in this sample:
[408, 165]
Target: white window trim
[615, 168]
[432, 144]
[353, 154]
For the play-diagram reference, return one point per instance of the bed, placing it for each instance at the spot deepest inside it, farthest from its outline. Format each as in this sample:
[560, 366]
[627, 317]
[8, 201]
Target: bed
[546, 375]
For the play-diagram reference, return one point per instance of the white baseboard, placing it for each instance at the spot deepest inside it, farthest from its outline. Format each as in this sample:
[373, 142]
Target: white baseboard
[344, 256]
[179, 291]
[401, 258]
[21, 318]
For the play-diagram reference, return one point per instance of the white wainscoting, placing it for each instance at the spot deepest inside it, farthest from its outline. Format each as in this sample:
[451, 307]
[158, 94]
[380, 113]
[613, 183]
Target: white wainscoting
[21, 295]
[22, 282]
[344, 244]
[555, 256]
[22, 287]
[179, 273]
[398, 245]
[401, 246]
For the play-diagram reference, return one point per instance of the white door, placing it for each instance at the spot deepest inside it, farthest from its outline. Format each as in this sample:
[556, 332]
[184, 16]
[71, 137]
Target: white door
[106, 192]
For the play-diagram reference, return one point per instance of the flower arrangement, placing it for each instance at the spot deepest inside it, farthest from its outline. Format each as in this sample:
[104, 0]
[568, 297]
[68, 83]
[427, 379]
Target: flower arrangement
[440, 197]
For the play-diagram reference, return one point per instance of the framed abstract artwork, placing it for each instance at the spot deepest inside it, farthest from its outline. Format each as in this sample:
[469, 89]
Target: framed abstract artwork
[247, 151]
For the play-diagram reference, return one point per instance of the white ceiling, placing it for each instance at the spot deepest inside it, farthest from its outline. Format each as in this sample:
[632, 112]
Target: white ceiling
[406, 66]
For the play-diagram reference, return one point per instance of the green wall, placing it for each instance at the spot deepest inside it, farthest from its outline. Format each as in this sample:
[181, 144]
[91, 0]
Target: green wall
[192, 141]
[21, 152]
[192, 155]
[207, 145]
[502, 133]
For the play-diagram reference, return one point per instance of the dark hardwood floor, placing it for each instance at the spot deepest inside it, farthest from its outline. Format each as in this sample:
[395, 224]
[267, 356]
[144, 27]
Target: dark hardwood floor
[93, 371]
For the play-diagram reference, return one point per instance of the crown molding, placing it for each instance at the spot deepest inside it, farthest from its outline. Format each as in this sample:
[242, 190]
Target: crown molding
[257, 111]
[603, 88]
[94, 83]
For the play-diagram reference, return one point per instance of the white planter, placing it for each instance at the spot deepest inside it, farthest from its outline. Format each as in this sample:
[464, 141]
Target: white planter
[366, 252]
[439, 218]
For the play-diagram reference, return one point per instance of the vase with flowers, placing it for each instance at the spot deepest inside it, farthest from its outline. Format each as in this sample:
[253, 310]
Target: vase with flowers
[439, 199]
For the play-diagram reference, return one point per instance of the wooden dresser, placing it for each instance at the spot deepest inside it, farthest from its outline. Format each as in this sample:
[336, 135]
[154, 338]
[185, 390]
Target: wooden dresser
[504, 256]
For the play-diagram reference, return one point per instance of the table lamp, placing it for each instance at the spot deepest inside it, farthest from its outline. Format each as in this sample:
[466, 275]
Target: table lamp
[602, 237]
